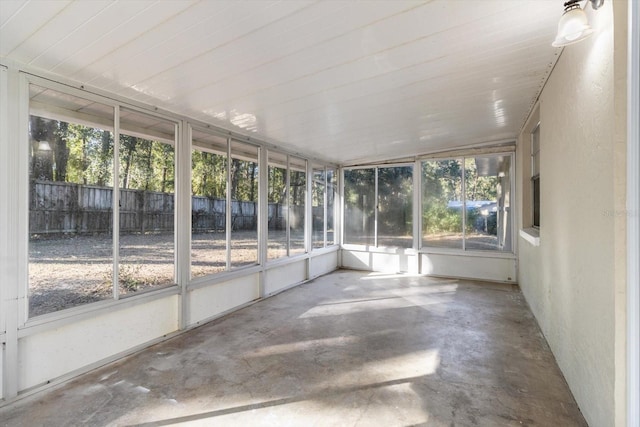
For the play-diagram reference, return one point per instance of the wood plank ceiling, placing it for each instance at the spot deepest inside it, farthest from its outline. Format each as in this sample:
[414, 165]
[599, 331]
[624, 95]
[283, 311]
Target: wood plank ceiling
[345, 81]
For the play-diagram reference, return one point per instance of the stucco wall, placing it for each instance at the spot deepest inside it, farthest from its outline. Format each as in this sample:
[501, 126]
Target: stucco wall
[569, 280]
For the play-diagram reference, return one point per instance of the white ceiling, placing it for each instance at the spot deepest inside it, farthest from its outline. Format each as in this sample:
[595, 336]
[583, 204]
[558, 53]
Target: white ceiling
[347, 81]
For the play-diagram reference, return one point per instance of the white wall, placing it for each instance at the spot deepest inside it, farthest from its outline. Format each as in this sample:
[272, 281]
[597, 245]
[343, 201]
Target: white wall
[497, 267]
[569, 279]
[52, 353]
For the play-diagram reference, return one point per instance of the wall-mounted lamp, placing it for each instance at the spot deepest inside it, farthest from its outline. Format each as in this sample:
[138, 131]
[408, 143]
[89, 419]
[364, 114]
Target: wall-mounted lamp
[44, 146]
[573, 25]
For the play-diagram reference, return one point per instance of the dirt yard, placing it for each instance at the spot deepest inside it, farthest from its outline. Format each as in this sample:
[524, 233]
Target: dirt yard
[71, 271]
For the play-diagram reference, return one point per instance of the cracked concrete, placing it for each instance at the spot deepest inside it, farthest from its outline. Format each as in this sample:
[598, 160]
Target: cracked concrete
[348, 349]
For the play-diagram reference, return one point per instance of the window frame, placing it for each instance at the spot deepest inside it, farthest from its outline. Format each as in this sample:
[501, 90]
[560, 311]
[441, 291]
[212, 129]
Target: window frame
[376, 204]
[115, 126]
[463, 156]
[535, 176]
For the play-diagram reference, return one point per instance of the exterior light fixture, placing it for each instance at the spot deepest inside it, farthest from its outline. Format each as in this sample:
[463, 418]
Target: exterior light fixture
[44, 146]
[573, 25]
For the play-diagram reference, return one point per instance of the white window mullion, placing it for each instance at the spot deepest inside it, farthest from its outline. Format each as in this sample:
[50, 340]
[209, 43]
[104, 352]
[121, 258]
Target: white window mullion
[464, 204]
[116, 202]
[228, 205]
[287, 207]
[375, 212]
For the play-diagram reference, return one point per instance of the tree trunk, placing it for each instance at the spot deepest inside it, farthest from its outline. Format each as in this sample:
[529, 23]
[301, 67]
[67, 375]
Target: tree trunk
[61, 152]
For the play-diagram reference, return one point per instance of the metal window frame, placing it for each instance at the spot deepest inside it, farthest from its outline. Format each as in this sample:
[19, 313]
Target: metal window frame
[512, 186]
[376, 168]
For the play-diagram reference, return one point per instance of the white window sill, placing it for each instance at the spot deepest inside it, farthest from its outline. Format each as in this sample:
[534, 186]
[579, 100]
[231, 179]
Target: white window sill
[531, 235]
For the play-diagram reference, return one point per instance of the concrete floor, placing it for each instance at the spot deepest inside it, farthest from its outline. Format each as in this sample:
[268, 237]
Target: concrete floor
[348, 349]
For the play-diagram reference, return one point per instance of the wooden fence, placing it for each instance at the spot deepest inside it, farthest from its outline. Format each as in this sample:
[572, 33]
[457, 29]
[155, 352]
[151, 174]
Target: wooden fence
[59, 207]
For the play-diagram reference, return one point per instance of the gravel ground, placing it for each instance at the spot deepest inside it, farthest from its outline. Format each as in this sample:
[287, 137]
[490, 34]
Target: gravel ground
[70, 271]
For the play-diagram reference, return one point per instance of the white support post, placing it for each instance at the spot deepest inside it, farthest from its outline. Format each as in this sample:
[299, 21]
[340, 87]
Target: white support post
[633, 217]
[263, 215]
[417, 205]
[182, 219]
[375, 211]
[288, 207]
[324, 209]
[228, 205]
[5, 280]
[464, 204]
[115, 200]
[417, 214]
[17, 225]
[308, 218]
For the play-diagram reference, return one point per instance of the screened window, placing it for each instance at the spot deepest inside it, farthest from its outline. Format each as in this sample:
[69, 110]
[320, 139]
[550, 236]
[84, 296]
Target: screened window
[378, 206]
[466, 203]
[318, 203]
[323, 205]
[359, 206]
[208, 204]
[71, 153]
[395, 204]
[332, 187]
[72, 227]
[213, 215]
[278, 206]
[442, 203]
[147, 202]
[287, 205]
[535, 175]
[244, 204]
[297, 204]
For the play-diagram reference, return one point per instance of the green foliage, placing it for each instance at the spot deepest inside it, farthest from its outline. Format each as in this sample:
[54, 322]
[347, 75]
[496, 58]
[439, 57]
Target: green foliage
[438, 218]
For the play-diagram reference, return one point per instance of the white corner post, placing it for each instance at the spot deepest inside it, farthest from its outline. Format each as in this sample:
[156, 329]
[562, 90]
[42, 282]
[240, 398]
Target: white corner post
[633, 217]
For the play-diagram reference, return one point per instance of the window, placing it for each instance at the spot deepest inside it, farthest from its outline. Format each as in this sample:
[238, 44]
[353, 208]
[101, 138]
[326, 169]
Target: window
[71, 153]
[378, 206]
[466, 203]
[244, 204]
[287, 205]
[213, 214]
[323, 205]
[147, 204]
[277, 234]
[535, 176]
[318, 202]
[395, 204]
[72, 226]
[359, 206]
[208, 204]
[297, 204]
[442, 203]
[331, 206]
[487, 203]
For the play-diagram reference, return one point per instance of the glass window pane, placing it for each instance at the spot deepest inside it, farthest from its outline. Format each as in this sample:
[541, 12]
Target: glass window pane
[147, 180]
[297, 198]
[277, 234]
[70, 201]
[318, 189]
[488, 200]
[395, 201]
[359, 206]
[244, 204]
[331, 206]
[442, 203]
[208, 204]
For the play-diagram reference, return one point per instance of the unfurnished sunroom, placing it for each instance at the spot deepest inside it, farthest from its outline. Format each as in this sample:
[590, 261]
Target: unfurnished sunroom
[166, 164]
